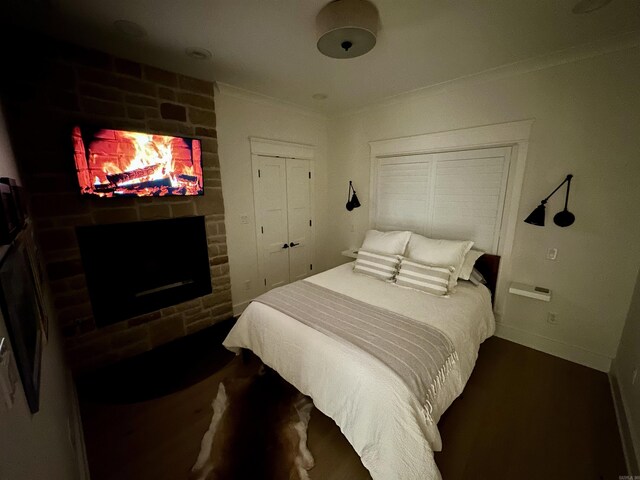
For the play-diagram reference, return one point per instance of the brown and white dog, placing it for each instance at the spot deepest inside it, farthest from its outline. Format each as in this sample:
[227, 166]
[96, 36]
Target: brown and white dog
[258, 431]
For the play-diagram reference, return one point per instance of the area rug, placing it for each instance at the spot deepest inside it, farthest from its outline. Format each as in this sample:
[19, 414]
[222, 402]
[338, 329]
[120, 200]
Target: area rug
[162, 371]
[258, 431]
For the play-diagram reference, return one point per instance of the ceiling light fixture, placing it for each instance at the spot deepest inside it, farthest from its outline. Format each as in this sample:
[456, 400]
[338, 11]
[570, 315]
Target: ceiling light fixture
[198, 53]
[319, 96]
[588, 6]
[130, 29]
[347, 28]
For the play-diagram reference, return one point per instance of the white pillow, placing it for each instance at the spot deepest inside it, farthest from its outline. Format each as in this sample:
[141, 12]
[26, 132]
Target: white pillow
[390, 243]
[441, 253]
[469, 261]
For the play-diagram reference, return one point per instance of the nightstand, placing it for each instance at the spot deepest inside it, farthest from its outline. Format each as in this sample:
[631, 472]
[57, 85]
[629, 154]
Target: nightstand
[531, 291]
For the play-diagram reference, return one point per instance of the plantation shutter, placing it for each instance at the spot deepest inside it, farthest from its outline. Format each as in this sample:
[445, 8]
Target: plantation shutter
[404, 193]
[453, 195]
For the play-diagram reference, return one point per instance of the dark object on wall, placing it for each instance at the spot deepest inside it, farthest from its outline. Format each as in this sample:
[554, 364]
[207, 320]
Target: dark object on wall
[19, 200]
[18, 299]
[141, 267]
[9, 225]
[119, 163]
[352, 199]
[562, 219]
[489, 265]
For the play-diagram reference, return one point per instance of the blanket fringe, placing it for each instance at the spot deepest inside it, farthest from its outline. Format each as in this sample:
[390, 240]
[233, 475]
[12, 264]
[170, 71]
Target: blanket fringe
[437, 384]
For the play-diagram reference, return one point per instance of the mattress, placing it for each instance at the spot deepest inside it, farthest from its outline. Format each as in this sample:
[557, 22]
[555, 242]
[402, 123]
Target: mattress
[375, 410]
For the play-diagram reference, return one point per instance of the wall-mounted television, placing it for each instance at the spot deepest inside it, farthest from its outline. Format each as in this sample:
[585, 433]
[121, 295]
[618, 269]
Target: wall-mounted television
[120, 163]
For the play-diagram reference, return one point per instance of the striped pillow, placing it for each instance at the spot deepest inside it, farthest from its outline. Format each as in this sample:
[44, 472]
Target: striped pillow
[433, 280]
[378, 265]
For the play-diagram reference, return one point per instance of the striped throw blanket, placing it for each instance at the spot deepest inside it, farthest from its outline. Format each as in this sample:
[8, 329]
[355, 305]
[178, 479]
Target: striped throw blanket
[421, 355]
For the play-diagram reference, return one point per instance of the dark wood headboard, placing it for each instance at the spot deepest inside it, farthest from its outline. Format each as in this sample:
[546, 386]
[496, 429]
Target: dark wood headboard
[488, 266]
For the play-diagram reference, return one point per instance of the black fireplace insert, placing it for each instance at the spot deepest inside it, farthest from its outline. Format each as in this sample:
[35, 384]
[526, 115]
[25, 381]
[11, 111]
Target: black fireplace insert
[141, 267]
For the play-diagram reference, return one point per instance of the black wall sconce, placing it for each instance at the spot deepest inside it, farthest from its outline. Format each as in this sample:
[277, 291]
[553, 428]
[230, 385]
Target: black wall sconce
[562, 219]
[352, 199]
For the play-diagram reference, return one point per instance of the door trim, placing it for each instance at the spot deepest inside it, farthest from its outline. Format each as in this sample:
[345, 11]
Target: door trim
[279, 148]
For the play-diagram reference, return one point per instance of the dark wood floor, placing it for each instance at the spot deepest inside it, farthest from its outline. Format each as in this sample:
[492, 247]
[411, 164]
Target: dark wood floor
[523, 415]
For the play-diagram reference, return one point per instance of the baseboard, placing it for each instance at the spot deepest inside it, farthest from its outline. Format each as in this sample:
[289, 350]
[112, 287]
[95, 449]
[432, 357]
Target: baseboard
[238, 308]
[622, 417]
[553, 347]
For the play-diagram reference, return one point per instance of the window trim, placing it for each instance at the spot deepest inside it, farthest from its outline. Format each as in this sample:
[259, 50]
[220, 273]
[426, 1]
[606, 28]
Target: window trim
[510, 134]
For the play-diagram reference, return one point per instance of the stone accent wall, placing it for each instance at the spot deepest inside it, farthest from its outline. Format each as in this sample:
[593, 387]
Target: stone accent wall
[69, 85]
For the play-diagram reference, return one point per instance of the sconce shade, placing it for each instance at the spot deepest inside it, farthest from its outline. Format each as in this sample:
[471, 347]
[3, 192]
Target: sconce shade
[537, 216]
[352, 202]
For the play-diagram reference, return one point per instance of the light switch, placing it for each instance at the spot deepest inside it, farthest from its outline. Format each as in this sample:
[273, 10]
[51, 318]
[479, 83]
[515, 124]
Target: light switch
[552, 254]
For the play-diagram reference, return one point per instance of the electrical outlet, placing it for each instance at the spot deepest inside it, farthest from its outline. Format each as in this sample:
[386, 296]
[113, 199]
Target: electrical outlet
[634, 376]
[552, 254]
[552, 318]
[244, 219]
[247, 284]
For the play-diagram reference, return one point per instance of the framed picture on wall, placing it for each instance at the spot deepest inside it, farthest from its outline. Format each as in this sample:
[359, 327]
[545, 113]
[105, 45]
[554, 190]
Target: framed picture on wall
[19, 304]
[37, 271]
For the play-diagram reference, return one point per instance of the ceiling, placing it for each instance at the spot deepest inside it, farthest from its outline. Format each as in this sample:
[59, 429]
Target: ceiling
[269, 46]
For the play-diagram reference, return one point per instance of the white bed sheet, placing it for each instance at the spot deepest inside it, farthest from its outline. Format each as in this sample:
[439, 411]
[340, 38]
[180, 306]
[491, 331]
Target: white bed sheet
[377, 413]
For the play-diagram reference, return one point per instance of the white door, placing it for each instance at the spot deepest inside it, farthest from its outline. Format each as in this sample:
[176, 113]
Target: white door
[284, 219]
[299, 216]
[271, 197]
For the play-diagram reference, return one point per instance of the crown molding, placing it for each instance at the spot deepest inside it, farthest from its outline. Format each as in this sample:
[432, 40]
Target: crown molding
[624, 41]
[226, 89]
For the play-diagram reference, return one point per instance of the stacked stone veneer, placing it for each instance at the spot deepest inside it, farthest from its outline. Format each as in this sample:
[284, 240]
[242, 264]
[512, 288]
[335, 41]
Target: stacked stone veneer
[70, 85]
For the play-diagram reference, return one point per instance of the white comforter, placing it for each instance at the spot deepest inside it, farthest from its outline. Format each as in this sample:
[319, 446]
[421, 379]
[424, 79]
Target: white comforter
[372, 406]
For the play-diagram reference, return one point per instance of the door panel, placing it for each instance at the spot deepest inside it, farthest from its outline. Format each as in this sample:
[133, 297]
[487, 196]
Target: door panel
[299, 217]
[272, 214]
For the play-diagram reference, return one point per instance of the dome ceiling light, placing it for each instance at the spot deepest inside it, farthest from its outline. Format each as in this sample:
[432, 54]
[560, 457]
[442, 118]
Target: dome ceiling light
[347, 28]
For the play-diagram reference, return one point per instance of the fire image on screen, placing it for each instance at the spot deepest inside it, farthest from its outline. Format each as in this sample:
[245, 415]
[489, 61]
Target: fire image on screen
[113, 163]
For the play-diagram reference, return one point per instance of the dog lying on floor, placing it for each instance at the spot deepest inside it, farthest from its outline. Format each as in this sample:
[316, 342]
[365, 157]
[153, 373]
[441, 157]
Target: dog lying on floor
[258, 431]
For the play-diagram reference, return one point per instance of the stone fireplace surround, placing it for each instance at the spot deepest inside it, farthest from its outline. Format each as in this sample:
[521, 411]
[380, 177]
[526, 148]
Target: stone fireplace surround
[67, 85]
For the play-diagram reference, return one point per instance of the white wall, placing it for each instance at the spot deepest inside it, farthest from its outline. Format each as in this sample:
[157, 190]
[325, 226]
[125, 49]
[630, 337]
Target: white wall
[241, 115]
[38, 446]
[587, 119]
[626, 363]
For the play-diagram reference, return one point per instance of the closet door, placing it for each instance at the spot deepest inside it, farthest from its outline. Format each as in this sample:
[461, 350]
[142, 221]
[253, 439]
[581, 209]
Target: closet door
[299, 218]
[271, 202]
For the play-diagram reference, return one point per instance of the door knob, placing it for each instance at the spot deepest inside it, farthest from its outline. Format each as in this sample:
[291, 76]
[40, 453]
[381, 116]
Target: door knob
[293, 244]
[285, 246]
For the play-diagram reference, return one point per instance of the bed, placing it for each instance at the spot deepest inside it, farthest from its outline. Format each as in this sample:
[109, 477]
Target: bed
[376, 411]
